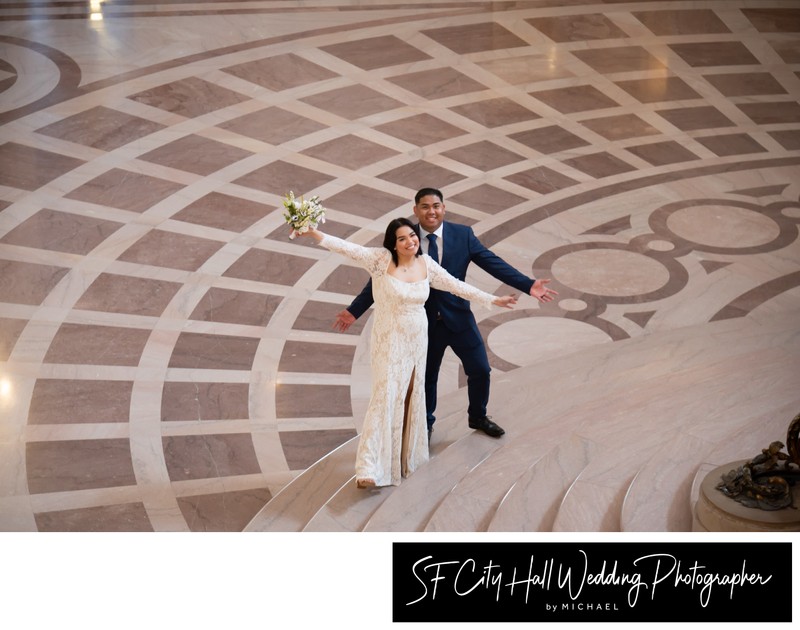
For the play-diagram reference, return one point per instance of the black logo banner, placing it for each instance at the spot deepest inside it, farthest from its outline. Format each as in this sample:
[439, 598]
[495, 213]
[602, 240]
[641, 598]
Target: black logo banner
[587, 582]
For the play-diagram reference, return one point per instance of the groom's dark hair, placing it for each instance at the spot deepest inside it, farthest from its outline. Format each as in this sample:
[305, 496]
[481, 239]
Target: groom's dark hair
[424, 192]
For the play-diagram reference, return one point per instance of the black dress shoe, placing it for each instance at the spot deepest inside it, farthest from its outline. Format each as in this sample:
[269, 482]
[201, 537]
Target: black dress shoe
[487, 426]
[430, 432]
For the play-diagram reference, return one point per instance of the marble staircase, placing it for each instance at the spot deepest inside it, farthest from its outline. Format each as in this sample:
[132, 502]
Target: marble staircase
[614, 438]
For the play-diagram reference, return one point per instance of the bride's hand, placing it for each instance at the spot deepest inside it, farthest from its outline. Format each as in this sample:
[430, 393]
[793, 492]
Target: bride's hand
[312, 232]
[506, 301]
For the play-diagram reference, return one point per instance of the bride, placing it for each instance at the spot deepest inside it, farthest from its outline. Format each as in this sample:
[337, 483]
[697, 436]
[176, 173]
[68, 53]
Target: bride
[394, 439]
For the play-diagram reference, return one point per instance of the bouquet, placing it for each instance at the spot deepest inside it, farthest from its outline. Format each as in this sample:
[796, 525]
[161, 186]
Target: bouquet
[301, 214]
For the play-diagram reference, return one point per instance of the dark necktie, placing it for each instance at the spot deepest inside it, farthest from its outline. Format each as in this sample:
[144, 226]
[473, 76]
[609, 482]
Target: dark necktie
[433, 249]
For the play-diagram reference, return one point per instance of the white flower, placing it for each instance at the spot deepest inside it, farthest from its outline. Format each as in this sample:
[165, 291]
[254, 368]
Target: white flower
[302, 215]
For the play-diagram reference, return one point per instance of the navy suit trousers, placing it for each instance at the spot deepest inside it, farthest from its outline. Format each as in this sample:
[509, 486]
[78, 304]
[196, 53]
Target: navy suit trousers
[468, 347]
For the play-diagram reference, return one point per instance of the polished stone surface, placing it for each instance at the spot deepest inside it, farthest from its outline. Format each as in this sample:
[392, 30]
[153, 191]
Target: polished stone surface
[167, 361]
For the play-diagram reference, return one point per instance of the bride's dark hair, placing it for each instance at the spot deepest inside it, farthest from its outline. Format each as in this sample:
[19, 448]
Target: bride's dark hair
[390, 238]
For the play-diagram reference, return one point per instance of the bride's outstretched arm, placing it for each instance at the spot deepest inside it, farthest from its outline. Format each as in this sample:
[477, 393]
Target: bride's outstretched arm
[371, 258]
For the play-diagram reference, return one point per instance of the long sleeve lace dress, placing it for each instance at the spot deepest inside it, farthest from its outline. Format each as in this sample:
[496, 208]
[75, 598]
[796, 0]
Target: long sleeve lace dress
[394, 439]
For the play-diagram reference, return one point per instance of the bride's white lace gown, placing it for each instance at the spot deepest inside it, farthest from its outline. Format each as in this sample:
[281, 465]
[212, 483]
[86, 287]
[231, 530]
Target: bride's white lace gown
[394, 439]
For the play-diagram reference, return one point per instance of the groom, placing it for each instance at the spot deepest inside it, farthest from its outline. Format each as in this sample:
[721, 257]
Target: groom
[450, 320]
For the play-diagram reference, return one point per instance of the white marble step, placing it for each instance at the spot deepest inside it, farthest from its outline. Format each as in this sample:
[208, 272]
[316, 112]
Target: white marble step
[291, 509]
[746, 443]
[532, 502]
[429, 500]
[715, 396]
[412, 506]
[409, 508]
[324, 496]
[532, 430]
[474, 498]
[658, 499]
[433, 488]
[349, 509]
[472, 503]
[593, 503]
[662, 496]
[596, 388]
[468, 506]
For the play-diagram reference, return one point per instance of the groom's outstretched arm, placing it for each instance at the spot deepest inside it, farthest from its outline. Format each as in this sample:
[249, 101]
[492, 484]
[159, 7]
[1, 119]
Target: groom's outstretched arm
[359, 305]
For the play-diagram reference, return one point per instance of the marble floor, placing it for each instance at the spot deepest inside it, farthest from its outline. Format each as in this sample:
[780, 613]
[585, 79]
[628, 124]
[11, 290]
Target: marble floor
[167, 361]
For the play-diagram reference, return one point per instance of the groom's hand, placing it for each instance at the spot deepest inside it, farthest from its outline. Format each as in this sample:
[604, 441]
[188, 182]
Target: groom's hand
[344, 319]
[540, 291]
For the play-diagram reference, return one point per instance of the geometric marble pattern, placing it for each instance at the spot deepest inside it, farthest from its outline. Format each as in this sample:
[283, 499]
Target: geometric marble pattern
[437, 83]
[196, 155]
[29, 168]
[61, 231]
[376, 52]
[125, 190]
[28, 283]
[571, 100]
[273, 125]
[472, 38]
[579, 28]
[280, 72]
[188, 97]
[682, 22]
[167, 360]
[107, 129]
[622, 59]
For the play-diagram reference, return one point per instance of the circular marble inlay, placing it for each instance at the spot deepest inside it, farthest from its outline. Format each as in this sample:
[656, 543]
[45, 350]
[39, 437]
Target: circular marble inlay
[571, 304]
[610, 272]
[527, 341]
[792, 213]
[7, 76]
[661, 246]
[723, 226]
[41, 76]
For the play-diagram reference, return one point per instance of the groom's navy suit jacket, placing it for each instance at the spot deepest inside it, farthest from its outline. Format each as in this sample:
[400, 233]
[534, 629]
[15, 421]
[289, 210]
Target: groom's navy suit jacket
[461, 247]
